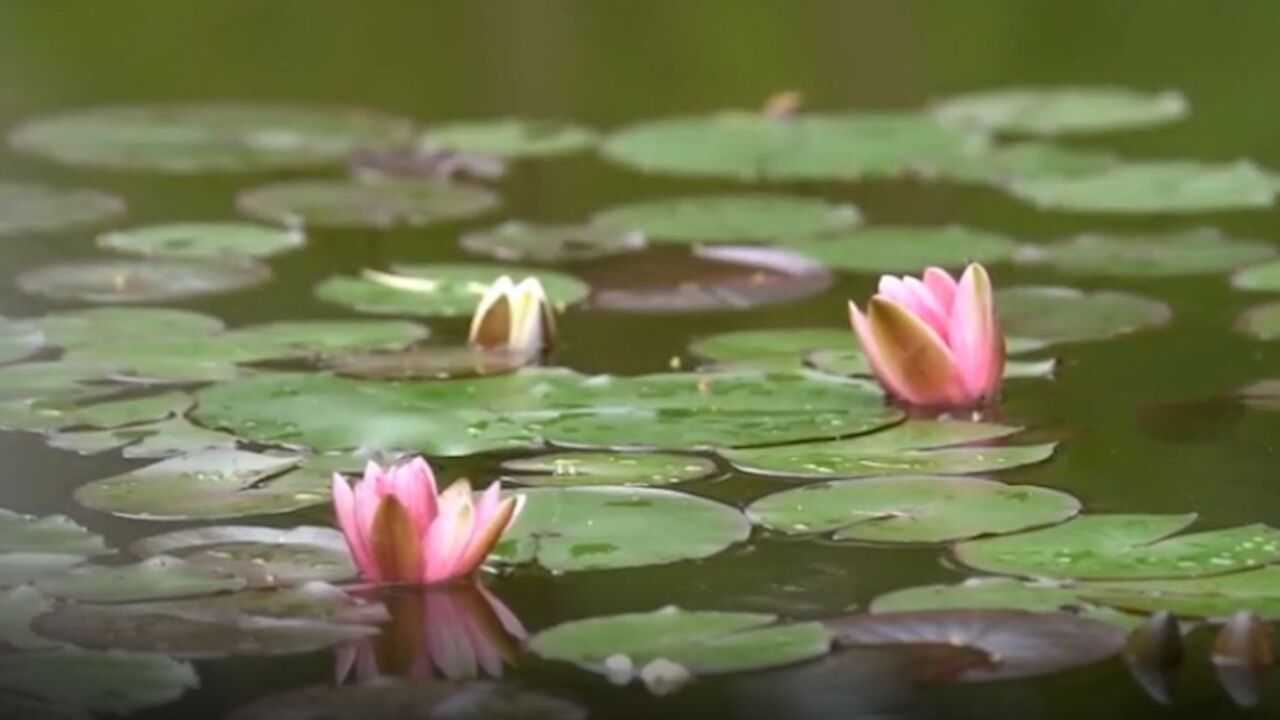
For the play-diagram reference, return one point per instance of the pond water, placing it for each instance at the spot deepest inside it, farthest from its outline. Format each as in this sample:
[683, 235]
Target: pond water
[1137, 424]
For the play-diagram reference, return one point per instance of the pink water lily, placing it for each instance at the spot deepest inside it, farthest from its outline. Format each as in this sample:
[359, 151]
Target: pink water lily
[399, 528]
[934, 341]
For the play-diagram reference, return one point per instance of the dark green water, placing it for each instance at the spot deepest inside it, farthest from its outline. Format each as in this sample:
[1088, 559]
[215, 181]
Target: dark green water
[610, 63]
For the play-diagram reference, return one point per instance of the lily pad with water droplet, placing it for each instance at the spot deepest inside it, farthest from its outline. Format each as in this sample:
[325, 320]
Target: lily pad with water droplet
[18, 339]
[600, 528]
[1018, 644]
[1154, 186]
[88, 681]
[381, 204]
[510, 137]
[155, 440]
[1120, 547]
[155, 578]
[750, 146]
[262, 556]
[1062, 110]
[912, 448]
[701, 641]
[107, 325]
[207, 137]
[47, 416]
[516, 241]
[439, 363]
[997, 593]
[729, 218]
[574, 469]
[1062, 314]
[444, 290]
[1185, 252]
[902, 248]
[911, 509]
[140, 281]
[1218, 597]
[229, 240]
[27, 208]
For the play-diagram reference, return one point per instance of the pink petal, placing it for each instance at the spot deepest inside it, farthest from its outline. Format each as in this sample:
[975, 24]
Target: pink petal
[866, 338]
[941, 284]
[412, 492]
[344, 506]
[976, 340]
[365, 507]
[447, 641]
[914, 362]
[926, 306]
[447, 537]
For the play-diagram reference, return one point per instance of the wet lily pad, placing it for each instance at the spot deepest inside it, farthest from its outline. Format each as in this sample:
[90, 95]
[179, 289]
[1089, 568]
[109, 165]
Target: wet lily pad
[311, 600]
[209, 485]
[117, 683]
[1018, 644]
[262, 556]
[18, 607]
[1061, 314]
[18, 339]
[49, 416]
[912, 448]
[440, 363]
[729, 218]
[1155, 186]
[139, 281]
[1260, 321]
[155, 440]
[783, 344]
[27, 208]
[573, 469]
[891, 248]
[49, 534]
[1186, 252]
[911, 509]
[383, 203]
[1003, 164]
[199, 137]
[1219, 596]
[155, 578]
[750, 146]
[107, 325]
[1264, 277]
[516, 241]
[510, 137]
[1118, 547]
[997, 593]
[598, 528]
[702, 642]
[1062, 110]
[204, 240]
[445, 290]
[60, 380]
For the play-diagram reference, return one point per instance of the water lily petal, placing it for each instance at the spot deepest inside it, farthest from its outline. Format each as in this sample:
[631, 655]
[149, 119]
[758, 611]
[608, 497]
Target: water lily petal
[916, 364]
[976, 341]
[941, 284]
[395, 542]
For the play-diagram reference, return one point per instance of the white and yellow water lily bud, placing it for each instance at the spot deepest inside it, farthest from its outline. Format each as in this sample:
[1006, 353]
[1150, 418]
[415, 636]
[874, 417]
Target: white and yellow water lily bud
[514, 316]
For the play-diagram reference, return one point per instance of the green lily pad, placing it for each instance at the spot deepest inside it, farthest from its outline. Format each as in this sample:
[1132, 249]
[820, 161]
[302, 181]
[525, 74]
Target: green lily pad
[439, 363]
[729, 218]
[155, 440]
[27, 208]
[901, 249]
[853, 363]
[1118, 547]
[202, 137]
[574, 469]
[18, 339]
[375, 204]
[1187, 252]
[138, 281]
[1260, 321]
[1264, 277]
[155, 578]
[1062, 110]
[510, 137]
[116, 683]
[54, 381]
[1219, 596]
[599, 528]
[998, 593]
[263, 557]
[51, 534]
[204, 240]
[24, 568]
[701, 641]
[108, 325]
[311, 600]
[911, 509]
[771, 348]
[445, 290]
[49, 416]
[516, 241]
[1061, 314]
[18, 607]
[209, 485]
[1003, 164]
[1155, 186]
[912, 448]
[750, 146]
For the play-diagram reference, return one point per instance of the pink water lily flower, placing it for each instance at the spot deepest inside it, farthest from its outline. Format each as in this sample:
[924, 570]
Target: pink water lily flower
[399, 528]
[934, 341]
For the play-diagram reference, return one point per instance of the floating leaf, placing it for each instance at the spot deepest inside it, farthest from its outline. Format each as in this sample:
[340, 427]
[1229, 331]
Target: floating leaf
[516, 241]
[18, 339]
[204, 240]
[911, 508]
[50, 416]
[1107, 547]
[439, 363]
[200, 137]
[116, 683]
[24, 568]
[349, 203]
[1062, 110]
[1018, 644]
[1264, 277]
[50, 534]
[729, 218]
[27, 208]
[703, 642]
[597, 528]
[880, 249]
[1155, 186]
[389, 698]
[18, 607]
[1260, 321]
[129, 281]
[152, 579]
[1219, 596]
[573, 469]
[510, 137]
[61, 380]
[912, 448]
[262, 556]
[108, 325]
[1060, 314]
[166, 438]
[1006, 163]
[445, 290]
[1187, 252]
[999, 593]
[312, 600]
[772, 348]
